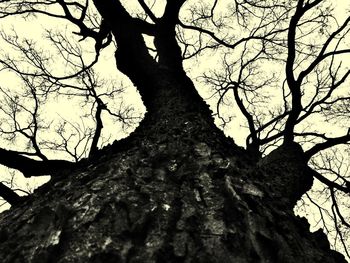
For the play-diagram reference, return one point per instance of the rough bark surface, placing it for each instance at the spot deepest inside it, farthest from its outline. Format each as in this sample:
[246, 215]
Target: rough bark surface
[176, 190]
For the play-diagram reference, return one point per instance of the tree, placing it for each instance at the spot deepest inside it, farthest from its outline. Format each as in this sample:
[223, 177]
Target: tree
[176, 189]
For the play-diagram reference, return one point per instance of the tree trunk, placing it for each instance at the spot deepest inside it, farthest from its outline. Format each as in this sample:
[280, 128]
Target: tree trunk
[176, 190]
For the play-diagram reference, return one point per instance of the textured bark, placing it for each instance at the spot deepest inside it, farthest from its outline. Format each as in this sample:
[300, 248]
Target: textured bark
[176, 190]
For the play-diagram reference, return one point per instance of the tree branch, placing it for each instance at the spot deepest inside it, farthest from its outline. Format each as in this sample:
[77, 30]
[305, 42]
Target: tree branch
[99, 125]
[169, 52]
[322, 55]
[9, 195]
[328, 182]
[132, 53]
[293, 85]
[148, 11]
[330, 142]
[30, 167]
[337, 208]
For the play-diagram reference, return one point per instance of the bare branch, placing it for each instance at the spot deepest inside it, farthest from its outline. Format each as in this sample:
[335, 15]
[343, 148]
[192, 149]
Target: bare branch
[148, 11]
[9, 195]
[30, 167]
[330, 142]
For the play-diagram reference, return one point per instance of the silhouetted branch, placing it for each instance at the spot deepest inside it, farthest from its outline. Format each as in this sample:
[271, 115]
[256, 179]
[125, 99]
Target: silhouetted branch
[9, 195]
[329, 183]
[30, 167]
[99, 125]
[330, 142]
[337, 213]
[293, 82]
[148, 11]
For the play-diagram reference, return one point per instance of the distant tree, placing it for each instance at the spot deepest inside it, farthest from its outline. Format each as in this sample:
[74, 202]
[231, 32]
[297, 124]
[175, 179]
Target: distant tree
[177, 189]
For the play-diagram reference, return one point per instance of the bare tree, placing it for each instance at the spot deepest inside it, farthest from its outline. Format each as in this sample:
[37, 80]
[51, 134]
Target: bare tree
[177, 189]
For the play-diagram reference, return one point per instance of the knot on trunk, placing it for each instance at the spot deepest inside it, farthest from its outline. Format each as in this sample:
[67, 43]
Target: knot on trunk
[287, 173]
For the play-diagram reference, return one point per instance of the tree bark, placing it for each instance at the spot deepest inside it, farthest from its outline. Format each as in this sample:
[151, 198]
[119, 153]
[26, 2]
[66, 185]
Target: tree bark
[176, 190]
